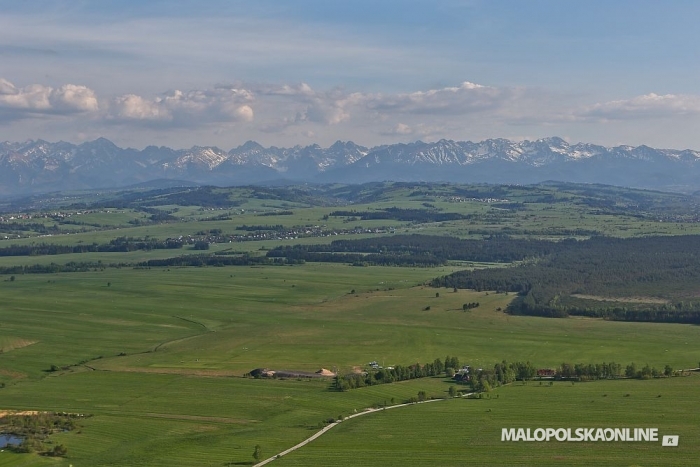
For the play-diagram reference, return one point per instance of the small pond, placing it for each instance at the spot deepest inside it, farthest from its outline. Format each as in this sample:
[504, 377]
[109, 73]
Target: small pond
[6, 440]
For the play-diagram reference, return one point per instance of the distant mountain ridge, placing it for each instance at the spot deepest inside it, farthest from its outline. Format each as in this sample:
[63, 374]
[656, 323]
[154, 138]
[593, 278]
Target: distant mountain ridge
[41, 166]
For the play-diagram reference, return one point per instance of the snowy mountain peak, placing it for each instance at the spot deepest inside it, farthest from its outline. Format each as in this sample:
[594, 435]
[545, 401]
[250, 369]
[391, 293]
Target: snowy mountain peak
[38, 165]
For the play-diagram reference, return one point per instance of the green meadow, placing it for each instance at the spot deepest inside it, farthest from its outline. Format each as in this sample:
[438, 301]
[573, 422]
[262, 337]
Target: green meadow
[231, 320]
[157, 357]
[168, 419]
[468, 431]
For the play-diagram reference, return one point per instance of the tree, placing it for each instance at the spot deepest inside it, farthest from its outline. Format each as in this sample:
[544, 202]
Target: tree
[201, 245]
[524, 371]
[59, 451]
[257, 453]
[337, 383]
[452, 362]
[452, 391]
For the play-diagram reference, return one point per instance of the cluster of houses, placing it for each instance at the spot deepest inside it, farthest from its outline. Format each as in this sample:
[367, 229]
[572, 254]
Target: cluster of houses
[461, 199]
[57, 215]
[463, 375]
[376, 366]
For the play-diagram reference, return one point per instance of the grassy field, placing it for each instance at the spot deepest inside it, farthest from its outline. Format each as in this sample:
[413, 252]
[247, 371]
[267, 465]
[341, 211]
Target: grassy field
[544, 211]
[157, 356]
[176, 397]
[229, 321]
[152, 419]
[468, 432]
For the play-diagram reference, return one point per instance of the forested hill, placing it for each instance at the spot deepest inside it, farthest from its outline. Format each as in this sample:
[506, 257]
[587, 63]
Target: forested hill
[638, 279]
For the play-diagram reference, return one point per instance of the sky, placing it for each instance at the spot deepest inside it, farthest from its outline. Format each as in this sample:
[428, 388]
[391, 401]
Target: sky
[298, 72]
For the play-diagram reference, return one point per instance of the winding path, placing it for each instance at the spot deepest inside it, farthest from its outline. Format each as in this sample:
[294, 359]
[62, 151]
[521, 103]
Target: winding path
[331, 425]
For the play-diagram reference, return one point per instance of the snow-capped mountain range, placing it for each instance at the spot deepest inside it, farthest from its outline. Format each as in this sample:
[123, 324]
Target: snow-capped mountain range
[40, 166]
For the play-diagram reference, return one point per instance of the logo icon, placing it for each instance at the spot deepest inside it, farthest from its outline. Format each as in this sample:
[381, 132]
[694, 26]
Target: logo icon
[670, 441]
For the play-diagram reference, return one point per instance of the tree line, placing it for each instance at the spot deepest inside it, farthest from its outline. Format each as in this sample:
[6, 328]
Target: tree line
[117, 245]
[505, 373]
[255, 228]
[19, 227]
[195, 260]
[398, 373]
[484, 379]
[429, 250]
[214, 260]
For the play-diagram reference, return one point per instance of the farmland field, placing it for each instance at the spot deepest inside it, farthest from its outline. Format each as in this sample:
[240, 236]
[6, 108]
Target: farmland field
[468, 432]
[157, 356]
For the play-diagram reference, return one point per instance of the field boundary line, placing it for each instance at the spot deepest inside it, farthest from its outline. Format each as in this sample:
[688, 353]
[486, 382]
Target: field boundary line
[192, 321]
[155, 349]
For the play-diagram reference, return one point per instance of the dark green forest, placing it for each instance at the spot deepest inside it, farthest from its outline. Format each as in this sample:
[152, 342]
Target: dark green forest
[418, 250]
[637, 279]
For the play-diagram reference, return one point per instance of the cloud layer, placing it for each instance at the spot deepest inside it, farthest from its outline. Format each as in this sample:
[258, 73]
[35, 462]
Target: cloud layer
[648, 106]
[292, 113]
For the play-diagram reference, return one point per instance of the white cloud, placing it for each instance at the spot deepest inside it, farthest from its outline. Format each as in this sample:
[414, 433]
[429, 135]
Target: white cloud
[74, 97]
[401, 129]
[40, 99]
[34, 97]
[302, 104]
[467, 98]
[645, 106]
[6, 87]
[294, 105]
[191, 108]
[427, 131]
[245, 113]
[326, 111]
[136, 107]
[302, 89]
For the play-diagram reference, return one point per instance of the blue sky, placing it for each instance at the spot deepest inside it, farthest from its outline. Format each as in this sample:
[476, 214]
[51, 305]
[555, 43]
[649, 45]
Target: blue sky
[181, 73]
